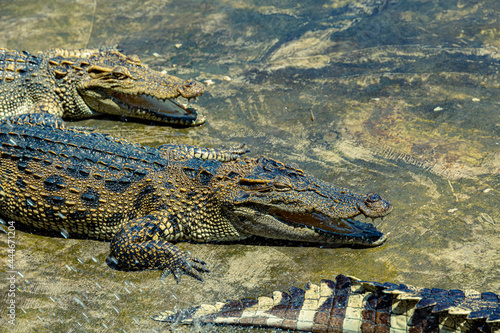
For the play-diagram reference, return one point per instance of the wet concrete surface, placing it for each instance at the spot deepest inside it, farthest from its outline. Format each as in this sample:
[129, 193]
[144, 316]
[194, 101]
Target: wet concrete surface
[396, 98]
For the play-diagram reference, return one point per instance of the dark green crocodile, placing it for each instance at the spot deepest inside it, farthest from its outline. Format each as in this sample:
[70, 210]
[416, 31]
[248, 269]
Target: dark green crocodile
[143, 198]
[350, 305]
[76, 84]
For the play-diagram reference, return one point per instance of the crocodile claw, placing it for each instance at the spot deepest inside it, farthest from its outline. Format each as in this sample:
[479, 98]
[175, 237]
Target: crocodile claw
[188, 266]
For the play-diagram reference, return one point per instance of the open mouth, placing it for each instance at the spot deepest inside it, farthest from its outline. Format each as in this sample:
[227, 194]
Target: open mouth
[162, 110]
[343, 230]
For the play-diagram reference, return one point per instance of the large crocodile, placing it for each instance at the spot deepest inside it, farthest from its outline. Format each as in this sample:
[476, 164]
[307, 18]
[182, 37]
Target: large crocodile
[78, 84]
[143, 198]
[350, 305]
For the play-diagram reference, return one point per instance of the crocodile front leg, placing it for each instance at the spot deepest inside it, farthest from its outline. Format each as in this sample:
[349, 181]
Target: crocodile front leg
[50, 107]
[137, 246]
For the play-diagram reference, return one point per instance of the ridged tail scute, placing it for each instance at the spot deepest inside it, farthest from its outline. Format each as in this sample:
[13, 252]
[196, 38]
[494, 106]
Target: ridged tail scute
[314, 308]
[350, 305]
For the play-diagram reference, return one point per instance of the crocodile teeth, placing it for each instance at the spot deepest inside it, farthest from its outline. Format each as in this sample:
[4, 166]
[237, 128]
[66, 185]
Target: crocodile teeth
[145, 102]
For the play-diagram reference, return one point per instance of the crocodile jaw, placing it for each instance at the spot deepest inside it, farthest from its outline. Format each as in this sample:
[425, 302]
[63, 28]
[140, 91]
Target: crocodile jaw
[313, 227]
[142, 107]
[162, 110]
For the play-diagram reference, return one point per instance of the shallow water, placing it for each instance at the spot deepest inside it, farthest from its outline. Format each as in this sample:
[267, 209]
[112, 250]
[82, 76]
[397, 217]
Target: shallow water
[404, 97]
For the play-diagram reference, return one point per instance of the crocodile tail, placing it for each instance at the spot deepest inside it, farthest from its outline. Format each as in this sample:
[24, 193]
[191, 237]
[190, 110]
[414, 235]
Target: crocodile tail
[184, 152]
[350, 305]
[79, 53]
[314, 308]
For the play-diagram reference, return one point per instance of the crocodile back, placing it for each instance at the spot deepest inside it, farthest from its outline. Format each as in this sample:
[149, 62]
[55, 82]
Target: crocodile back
[85, 183]
[17, 64]
[17, 70]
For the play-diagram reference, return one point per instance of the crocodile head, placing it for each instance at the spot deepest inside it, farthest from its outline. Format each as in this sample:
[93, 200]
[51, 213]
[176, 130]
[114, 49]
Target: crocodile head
[280, 201]
[110, 82]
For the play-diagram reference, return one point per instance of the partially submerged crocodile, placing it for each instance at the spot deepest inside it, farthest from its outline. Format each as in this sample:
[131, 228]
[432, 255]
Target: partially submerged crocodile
[350, 305]
[78, 84]
[143, 198]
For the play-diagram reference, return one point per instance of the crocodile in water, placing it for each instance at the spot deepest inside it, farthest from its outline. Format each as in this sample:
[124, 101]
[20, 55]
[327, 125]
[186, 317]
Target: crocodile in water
[350, 305]
[76, 84]
[143, 198]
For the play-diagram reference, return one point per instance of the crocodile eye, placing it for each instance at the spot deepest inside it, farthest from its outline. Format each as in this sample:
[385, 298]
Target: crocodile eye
[282, 187]
[120, 72]
[257, 185]
[282, 184]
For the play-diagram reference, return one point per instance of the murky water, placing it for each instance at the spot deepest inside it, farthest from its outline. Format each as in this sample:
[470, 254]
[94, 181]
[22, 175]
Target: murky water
[404, 97]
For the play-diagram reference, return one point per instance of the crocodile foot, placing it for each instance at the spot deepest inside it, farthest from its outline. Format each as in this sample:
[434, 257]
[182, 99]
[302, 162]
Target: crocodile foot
[139, 246]
[185, 264]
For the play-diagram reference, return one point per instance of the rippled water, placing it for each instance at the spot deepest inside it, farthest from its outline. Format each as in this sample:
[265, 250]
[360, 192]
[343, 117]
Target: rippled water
[404, 97]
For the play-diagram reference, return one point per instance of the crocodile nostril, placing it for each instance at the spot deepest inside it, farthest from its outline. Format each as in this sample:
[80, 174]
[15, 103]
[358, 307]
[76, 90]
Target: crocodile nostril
[373, 197]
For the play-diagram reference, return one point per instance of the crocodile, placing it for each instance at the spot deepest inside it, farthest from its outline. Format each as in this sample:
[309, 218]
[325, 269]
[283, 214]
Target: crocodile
[142, 199]
[351, 305]
[77, 84]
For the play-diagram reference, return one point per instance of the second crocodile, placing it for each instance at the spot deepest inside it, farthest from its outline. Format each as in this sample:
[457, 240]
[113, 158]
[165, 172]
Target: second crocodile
[142, 198]
[76, 84]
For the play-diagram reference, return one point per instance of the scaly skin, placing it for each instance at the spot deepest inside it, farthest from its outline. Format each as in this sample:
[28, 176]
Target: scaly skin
[142, 198]
[350, 305]
[76, 84]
